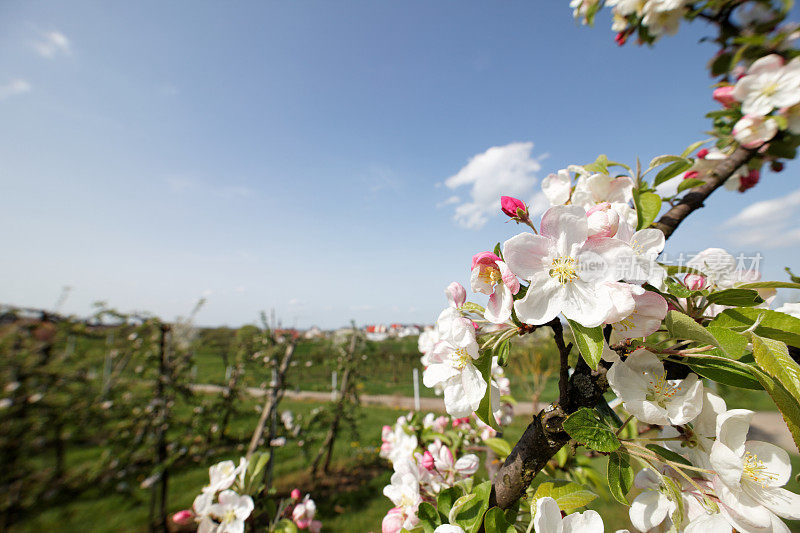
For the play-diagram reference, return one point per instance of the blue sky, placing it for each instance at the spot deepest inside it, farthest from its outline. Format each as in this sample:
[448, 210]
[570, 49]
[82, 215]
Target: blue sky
[296, 155]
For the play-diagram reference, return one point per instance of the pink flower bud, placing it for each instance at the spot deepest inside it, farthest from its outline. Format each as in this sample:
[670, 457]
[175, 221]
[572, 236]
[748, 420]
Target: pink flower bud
[724, 95]
[776, 166]
[514, 208]
[749, 181]
[620, 38]
[427, 460]
[692, 174]
[701, 154]
[603, 221]
[183, 518]
[296, 494]
[695, 282]
[456, 294]
[393, 521]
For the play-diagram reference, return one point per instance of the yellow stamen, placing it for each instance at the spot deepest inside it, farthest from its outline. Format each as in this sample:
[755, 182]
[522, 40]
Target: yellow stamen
[460, 358]
[564, 269]
[756, 470]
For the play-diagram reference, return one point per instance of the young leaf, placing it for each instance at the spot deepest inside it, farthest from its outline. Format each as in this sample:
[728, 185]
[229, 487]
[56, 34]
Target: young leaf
[620, 475]
[648, 205]
[774, 359]
[683, 326]
[736, 298]
[669, 172]
[468, 510]
[429, 518]
[731, 373]
[689, 184]
[495, 521]
[774, 325]
[586, 427]
[787, 404]
[445, 500]
[589, 342]
[668, 454]
[499, 446]
[568, 495]
[770, 285]
[484, 411]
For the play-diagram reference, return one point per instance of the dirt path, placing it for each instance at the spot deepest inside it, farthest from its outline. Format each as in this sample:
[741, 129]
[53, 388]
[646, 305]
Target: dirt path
[766, 425]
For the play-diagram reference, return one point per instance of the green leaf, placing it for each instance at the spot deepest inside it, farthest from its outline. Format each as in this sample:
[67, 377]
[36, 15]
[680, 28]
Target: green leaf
[677, 289]
[663, 160]
[774, 325]
[682, 326]
[672, 170]
[648, 205]
[585, 426]
[444, 502]
[567, 494]
[428, 517]
[589, 342]
[472, 306]
[692, 147]
[668, 454]
[484, 411]
[468, 510]
[498, 251]
[774, 359]
[731, 373]
[787, 404]
[734, 344]
[503, 351]
[736, 298]
[689, 184]
[495, 522]
[619, 474]
[285, 526]
[770, 285]
[499, 446]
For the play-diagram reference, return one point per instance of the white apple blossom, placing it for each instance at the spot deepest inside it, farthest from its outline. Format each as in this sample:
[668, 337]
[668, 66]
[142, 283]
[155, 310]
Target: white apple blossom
[717, 265]
[640, 265]
[547, 519]
[641, 383]
[448, 528]
[792, 115]
[751, 131]
[567, 271]
[427, 340]
[303, 515]
[696, 442]
[663, 16]
[228, 515]
[557, 187]
[709, 523]
[598, 188]
[490, 275]
[768, 84]
[649, 311]
[750, 474]
[456, 295]
[653, 505]
[452, 365]
[403, 490]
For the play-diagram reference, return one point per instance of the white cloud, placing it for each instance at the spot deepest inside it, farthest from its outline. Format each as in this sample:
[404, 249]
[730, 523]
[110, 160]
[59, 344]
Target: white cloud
[768, 223]
[14, 88]
[508, 170]
[51, 44]
[450, 201]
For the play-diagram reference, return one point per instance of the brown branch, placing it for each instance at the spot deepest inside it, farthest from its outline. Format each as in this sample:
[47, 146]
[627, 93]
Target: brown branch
[544, 436]
[694, 199]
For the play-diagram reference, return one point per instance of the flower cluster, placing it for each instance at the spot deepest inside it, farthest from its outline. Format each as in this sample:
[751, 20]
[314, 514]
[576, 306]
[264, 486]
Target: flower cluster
[427, 455]
[219, 508]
